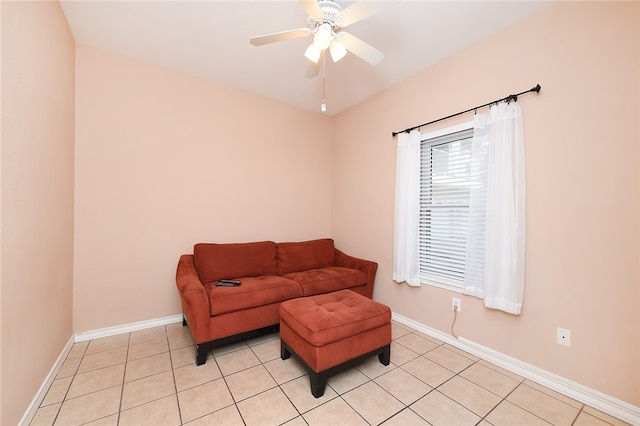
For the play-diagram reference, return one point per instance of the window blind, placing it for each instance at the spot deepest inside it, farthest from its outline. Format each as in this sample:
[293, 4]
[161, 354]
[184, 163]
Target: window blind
[445, 164]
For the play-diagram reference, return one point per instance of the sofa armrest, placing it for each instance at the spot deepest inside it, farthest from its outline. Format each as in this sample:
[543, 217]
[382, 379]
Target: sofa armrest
[368, 267]
[195, 302]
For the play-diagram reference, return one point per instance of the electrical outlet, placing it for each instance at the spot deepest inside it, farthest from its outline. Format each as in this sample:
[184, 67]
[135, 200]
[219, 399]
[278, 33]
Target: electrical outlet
[563, 337]
[455, 304]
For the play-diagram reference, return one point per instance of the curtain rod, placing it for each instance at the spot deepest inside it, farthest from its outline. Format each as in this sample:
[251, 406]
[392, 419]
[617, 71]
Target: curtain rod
[507, 98]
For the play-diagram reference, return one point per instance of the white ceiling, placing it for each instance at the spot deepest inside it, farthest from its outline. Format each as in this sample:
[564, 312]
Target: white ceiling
[210, 39]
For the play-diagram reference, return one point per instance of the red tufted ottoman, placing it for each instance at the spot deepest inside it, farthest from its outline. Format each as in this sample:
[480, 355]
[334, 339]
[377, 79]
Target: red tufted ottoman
[334, 331]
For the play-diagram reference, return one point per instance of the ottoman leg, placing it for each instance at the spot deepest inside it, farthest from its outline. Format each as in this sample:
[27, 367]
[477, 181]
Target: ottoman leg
[318, 383]
[284, 352]
[385, 355]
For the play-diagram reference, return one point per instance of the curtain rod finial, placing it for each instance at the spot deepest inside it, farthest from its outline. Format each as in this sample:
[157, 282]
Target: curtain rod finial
[537, 88]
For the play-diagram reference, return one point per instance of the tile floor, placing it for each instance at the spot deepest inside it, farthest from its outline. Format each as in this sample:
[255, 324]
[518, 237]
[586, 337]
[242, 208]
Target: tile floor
[149, 377]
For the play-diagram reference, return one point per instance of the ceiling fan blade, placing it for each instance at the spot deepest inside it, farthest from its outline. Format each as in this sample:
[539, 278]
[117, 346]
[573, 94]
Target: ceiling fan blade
[281, 36]
[359, 48]
[363, 9]
[314, 68]
[311, 7]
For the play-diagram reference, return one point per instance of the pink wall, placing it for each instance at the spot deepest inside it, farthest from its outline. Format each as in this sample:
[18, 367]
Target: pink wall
[37, 197]
[582, 140]
[164, 161]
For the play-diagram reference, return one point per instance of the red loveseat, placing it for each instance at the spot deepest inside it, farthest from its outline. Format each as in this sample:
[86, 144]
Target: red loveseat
[270, 273]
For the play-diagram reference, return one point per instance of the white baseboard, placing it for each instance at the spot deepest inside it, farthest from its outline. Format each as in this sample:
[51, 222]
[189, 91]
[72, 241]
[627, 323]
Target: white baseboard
[48, 381]
[82, 337]
[591, 397]
[126, 328]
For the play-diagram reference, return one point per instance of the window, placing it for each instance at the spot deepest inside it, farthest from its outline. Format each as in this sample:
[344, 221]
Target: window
[445, 172]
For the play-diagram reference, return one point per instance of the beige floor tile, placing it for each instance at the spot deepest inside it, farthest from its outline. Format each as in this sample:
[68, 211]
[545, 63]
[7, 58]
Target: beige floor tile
[299, 393]
[432, 339]
[403, 386]
[285, 370]
[554, 394]
[449, 359]
[57, 391]
[347, 380]
[406, 417]
[398, 330]
[335, 412]
[103, 359]
[148, 366]
[194, 375]
[298, 421]
[141, 336]
[152, 347]
[267, 351]
[111, 420]
[96, 380]
[401, 354]
[416, 343]
[89, 407]
[106, 343]
[204, 399]
[271, 407]
[373, 368]
[439, 410]
[78, 350]
[147, 389]
[373, 403]
[604, 416]
[490, 379]
[233, 362]
[542, 405]
[501, 370]
[45, 416]
[69, 367]
[184, 356]
[428, 371]
[586, 419]
[228, 416]
[263, 339]
[159, 412]
[249, 382]
[508, 414]
[229, 348]
[470, 395]
[461, 352]
[179, 340]
[176, 327]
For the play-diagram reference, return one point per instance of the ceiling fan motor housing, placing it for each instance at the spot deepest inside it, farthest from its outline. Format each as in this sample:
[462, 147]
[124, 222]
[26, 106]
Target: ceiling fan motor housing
[330, 13]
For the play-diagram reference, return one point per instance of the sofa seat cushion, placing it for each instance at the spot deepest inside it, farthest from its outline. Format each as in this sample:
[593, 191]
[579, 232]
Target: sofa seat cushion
[301, 256]
[325, 280]
[225, 261]
[330, 317]
[254, 291]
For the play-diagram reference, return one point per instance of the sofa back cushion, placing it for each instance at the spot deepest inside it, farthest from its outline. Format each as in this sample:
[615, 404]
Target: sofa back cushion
[235, 260]
[301, 256]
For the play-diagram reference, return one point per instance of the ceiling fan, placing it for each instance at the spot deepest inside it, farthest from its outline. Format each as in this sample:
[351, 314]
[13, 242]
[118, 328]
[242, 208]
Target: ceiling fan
[326, 22]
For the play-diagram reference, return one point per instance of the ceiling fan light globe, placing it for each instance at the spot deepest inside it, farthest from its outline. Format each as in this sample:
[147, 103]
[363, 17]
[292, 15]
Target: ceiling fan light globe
[337, 50]
[312, 53]
[324, 35]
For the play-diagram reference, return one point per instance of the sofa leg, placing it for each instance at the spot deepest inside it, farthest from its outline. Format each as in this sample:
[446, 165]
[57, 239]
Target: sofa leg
[184, 321]
[201, 354]
[284, 352]
[318, 383]
[385, 355]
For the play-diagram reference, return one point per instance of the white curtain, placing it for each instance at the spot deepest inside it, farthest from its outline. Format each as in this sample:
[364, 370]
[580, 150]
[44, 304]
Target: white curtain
[406, 264]
[496, 238]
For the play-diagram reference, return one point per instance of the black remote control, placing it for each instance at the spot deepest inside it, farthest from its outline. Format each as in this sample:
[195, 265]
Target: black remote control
[227, 283]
